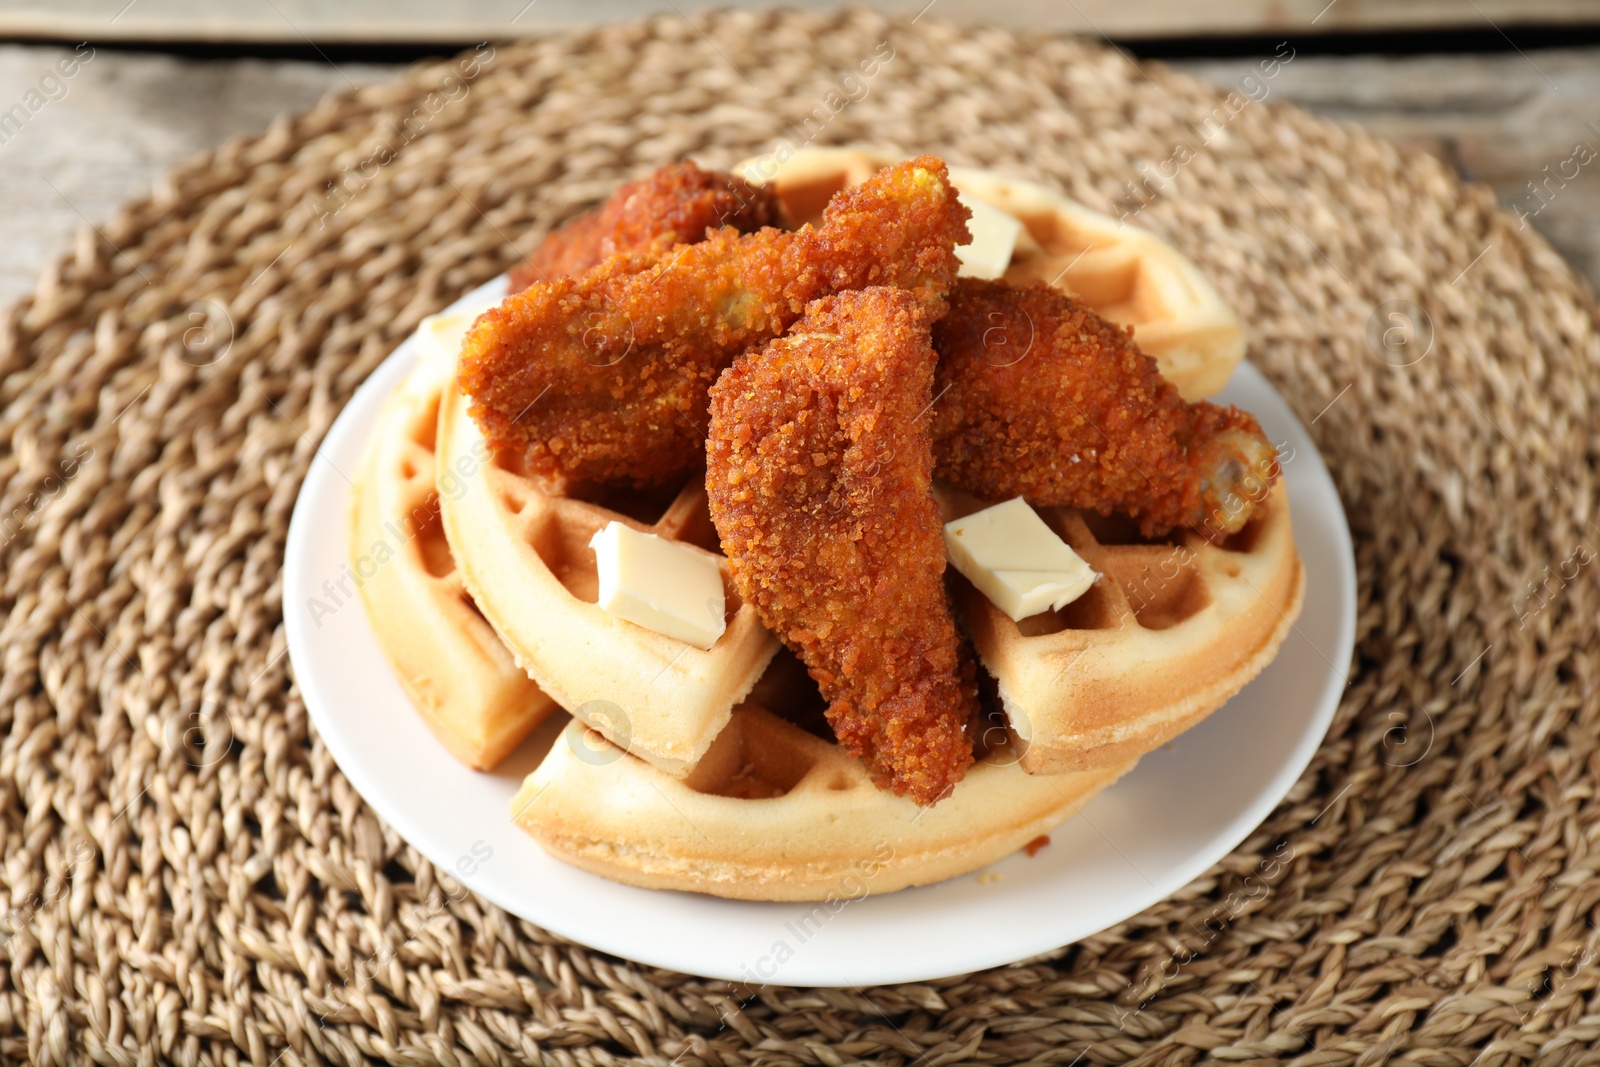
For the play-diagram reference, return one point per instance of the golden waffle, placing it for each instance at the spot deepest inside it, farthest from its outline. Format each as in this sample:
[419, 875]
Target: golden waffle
[1124, 273]
[1171, 630]
[524, 555]
[455, 670]
[683, 771]
[773, 812]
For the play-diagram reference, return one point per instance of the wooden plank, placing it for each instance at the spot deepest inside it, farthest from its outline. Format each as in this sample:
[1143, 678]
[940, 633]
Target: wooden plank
[125, 117]
[423, 21]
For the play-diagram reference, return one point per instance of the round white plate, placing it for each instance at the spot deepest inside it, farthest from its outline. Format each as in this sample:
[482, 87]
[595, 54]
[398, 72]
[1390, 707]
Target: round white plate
[1185, 806]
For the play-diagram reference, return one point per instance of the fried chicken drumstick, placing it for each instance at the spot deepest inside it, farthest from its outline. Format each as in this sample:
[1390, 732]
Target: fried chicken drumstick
[1040, 397]
[818, 469]
[674, 205]
[603, 377]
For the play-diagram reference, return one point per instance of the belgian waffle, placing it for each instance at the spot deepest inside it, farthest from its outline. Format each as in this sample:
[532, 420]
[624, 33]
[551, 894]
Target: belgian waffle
[524, 555]
[1171, 629]
[774, 812]
[457, 673]
[1124, 273]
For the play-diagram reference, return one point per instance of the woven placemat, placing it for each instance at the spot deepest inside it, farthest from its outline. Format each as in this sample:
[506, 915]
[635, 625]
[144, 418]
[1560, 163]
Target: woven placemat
[190, 877]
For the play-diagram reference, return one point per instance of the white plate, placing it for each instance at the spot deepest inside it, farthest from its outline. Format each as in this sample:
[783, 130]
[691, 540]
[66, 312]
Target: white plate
[1185, 806]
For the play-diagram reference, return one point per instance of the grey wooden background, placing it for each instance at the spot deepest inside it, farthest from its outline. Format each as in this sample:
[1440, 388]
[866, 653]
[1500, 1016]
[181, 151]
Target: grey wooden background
[107, 133]
[366, 21]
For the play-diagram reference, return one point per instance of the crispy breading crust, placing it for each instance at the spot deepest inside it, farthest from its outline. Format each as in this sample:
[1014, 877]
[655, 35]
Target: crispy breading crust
[603, 378]
[676, 204]
[1040, 397]
[819, 469]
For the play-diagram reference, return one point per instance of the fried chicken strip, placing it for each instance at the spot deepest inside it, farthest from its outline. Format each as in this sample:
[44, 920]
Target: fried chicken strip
[818, 470]
[676, 204]
[602, 378]
[1042, 398]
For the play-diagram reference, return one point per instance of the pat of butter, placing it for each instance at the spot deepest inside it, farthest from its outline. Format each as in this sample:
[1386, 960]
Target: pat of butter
[440, 335]
[1017, 561]
[660, 585]
[994, 238]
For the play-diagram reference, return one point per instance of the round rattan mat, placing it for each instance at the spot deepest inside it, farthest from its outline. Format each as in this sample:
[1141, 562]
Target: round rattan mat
[190, 878]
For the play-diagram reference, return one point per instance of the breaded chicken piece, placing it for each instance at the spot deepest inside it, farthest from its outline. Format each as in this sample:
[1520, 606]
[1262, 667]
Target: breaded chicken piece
[676, 204]
[1040, 397]
[818, 470]
[602, 378]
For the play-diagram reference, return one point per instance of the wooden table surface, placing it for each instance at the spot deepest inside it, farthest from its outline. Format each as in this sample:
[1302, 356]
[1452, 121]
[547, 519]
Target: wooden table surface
[428, 21]
[73, 148]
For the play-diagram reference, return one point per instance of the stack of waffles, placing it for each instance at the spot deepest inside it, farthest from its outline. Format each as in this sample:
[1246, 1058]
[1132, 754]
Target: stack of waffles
[713, 770]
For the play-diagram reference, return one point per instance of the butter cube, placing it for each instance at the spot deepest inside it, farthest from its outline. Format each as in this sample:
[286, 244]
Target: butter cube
[1015, 560]
[994, 238]
[660, 585]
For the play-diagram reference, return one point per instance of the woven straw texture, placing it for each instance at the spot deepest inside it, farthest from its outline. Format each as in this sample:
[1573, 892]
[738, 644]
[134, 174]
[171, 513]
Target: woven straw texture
[191, 879]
